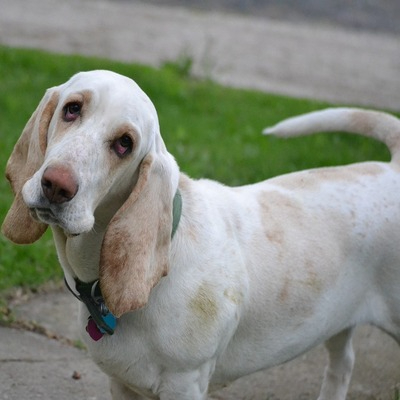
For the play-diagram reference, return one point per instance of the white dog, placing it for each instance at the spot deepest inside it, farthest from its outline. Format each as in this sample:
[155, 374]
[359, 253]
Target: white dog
[187, 284]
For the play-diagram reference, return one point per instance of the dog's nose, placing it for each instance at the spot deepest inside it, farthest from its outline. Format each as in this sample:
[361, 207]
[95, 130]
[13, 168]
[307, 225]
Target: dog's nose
[59, 184]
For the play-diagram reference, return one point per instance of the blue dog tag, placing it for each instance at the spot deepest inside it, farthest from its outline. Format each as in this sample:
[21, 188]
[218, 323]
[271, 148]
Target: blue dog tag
[110, 320]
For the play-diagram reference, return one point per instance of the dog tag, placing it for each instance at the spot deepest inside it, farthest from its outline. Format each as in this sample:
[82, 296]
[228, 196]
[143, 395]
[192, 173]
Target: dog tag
[93, 330]
[110, 320]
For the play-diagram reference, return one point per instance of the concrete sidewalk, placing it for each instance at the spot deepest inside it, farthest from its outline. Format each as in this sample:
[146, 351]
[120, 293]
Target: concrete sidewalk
[297, 59]
[294, 59]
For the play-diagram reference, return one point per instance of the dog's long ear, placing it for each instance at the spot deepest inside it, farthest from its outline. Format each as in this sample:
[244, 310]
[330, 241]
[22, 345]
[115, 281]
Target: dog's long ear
[25, 160]
[135, 250]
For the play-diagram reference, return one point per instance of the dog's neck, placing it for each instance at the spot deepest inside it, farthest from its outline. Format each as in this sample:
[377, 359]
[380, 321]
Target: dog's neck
[79, 256]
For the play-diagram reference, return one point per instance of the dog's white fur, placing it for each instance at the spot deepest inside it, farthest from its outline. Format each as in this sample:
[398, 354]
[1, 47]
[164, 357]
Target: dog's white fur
[255, 275]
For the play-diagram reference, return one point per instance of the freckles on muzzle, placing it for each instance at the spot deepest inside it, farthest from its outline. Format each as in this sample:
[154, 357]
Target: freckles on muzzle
[59, 184]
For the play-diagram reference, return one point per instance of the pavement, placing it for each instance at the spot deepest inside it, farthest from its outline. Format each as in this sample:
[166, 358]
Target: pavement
[43, 359]
[301, 59]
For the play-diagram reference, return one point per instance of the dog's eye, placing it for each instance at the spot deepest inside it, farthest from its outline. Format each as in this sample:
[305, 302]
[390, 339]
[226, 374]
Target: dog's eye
[72, 111]
[123, 146]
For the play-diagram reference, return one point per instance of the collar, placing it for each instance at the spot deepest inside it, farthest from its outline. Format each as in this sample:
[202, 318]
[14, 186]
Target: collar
[176, 211]
[101, 320]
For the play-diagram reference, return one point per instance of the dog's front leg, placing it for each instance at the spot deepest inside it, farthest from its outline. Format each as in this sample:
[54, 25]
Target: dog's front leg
[338, 372]
[188, 385]
[121, 392]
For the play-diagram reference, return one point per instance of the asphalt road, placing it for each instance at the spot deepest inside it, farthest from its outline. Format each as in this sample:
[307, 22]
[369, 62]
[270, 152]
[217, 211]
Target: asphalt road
[360, 15]
[296, 58]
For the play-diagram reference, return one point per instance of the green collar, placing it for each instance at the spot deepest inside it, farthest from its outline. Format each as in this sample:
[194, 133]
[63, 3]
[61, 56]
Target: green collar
[176, 211]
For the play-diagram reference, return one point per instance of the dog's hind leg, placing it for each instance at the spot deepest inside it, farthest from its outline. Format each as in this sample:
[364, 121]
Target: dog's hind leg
[338, 372]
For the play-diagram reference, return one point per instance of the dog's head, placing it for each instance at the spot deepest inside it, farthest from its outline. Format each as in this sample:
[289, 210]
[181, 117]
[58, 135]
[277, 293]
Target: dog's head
[92, 155]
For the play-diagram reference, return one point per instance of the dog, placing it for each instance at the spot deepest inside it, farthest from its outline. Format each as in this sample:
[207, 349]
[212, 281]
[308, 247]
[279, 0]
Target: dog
[187, 284]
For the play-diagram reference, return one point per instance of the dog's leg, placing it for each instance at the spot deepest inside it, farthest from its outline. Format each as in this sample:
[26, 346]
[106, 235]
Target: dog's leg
[338, 372]
[121, 392]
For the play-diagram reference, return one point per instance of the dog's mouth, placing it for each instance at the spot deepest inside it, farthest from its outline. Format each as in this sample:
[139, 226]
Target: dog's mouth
[44, 215]
[47, 216]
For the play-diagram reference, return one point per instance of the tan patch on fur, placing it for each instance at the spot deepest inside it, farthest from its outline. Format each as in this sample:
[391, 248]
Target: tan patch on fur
[25, 160]
[45, 119]
[301, 286]
[135, 249]
[185, 183]
[312, 280]
[84, 98]
[234, 296]
[314, 178]
[284, 292]
[273, 200]
[201, 320]
[380, 126]
[204, 306]
[362, 122]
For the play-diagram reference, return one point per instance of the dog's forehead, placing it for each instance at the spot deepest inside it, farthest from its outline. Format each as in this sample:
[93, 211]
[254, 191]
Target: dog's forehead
[109, 89]
[101, 80]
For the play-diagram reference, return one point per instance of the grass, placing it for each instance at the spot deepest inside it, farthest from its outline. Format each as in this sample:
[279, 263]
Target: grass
[213, 132]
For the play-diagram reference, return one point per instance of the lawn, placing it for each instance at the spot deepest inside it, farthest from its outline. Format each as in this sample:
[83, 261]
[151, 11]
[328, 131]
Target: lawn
[213, 132]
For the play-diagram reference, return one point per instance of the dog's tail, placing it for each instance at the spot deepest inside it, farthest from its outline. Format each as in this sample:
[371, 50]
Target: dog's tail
[374, 124]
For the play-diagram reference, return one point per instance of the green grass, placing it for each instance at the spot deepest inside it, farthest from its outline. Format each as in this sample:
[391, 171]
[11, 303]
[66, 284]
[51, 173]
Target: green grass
[213, 132]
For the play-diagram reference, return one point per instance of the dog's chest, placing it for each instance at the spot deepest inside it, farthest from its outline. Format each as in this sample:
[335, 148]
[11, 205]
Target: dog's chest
[82, 255]
[125, 355]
